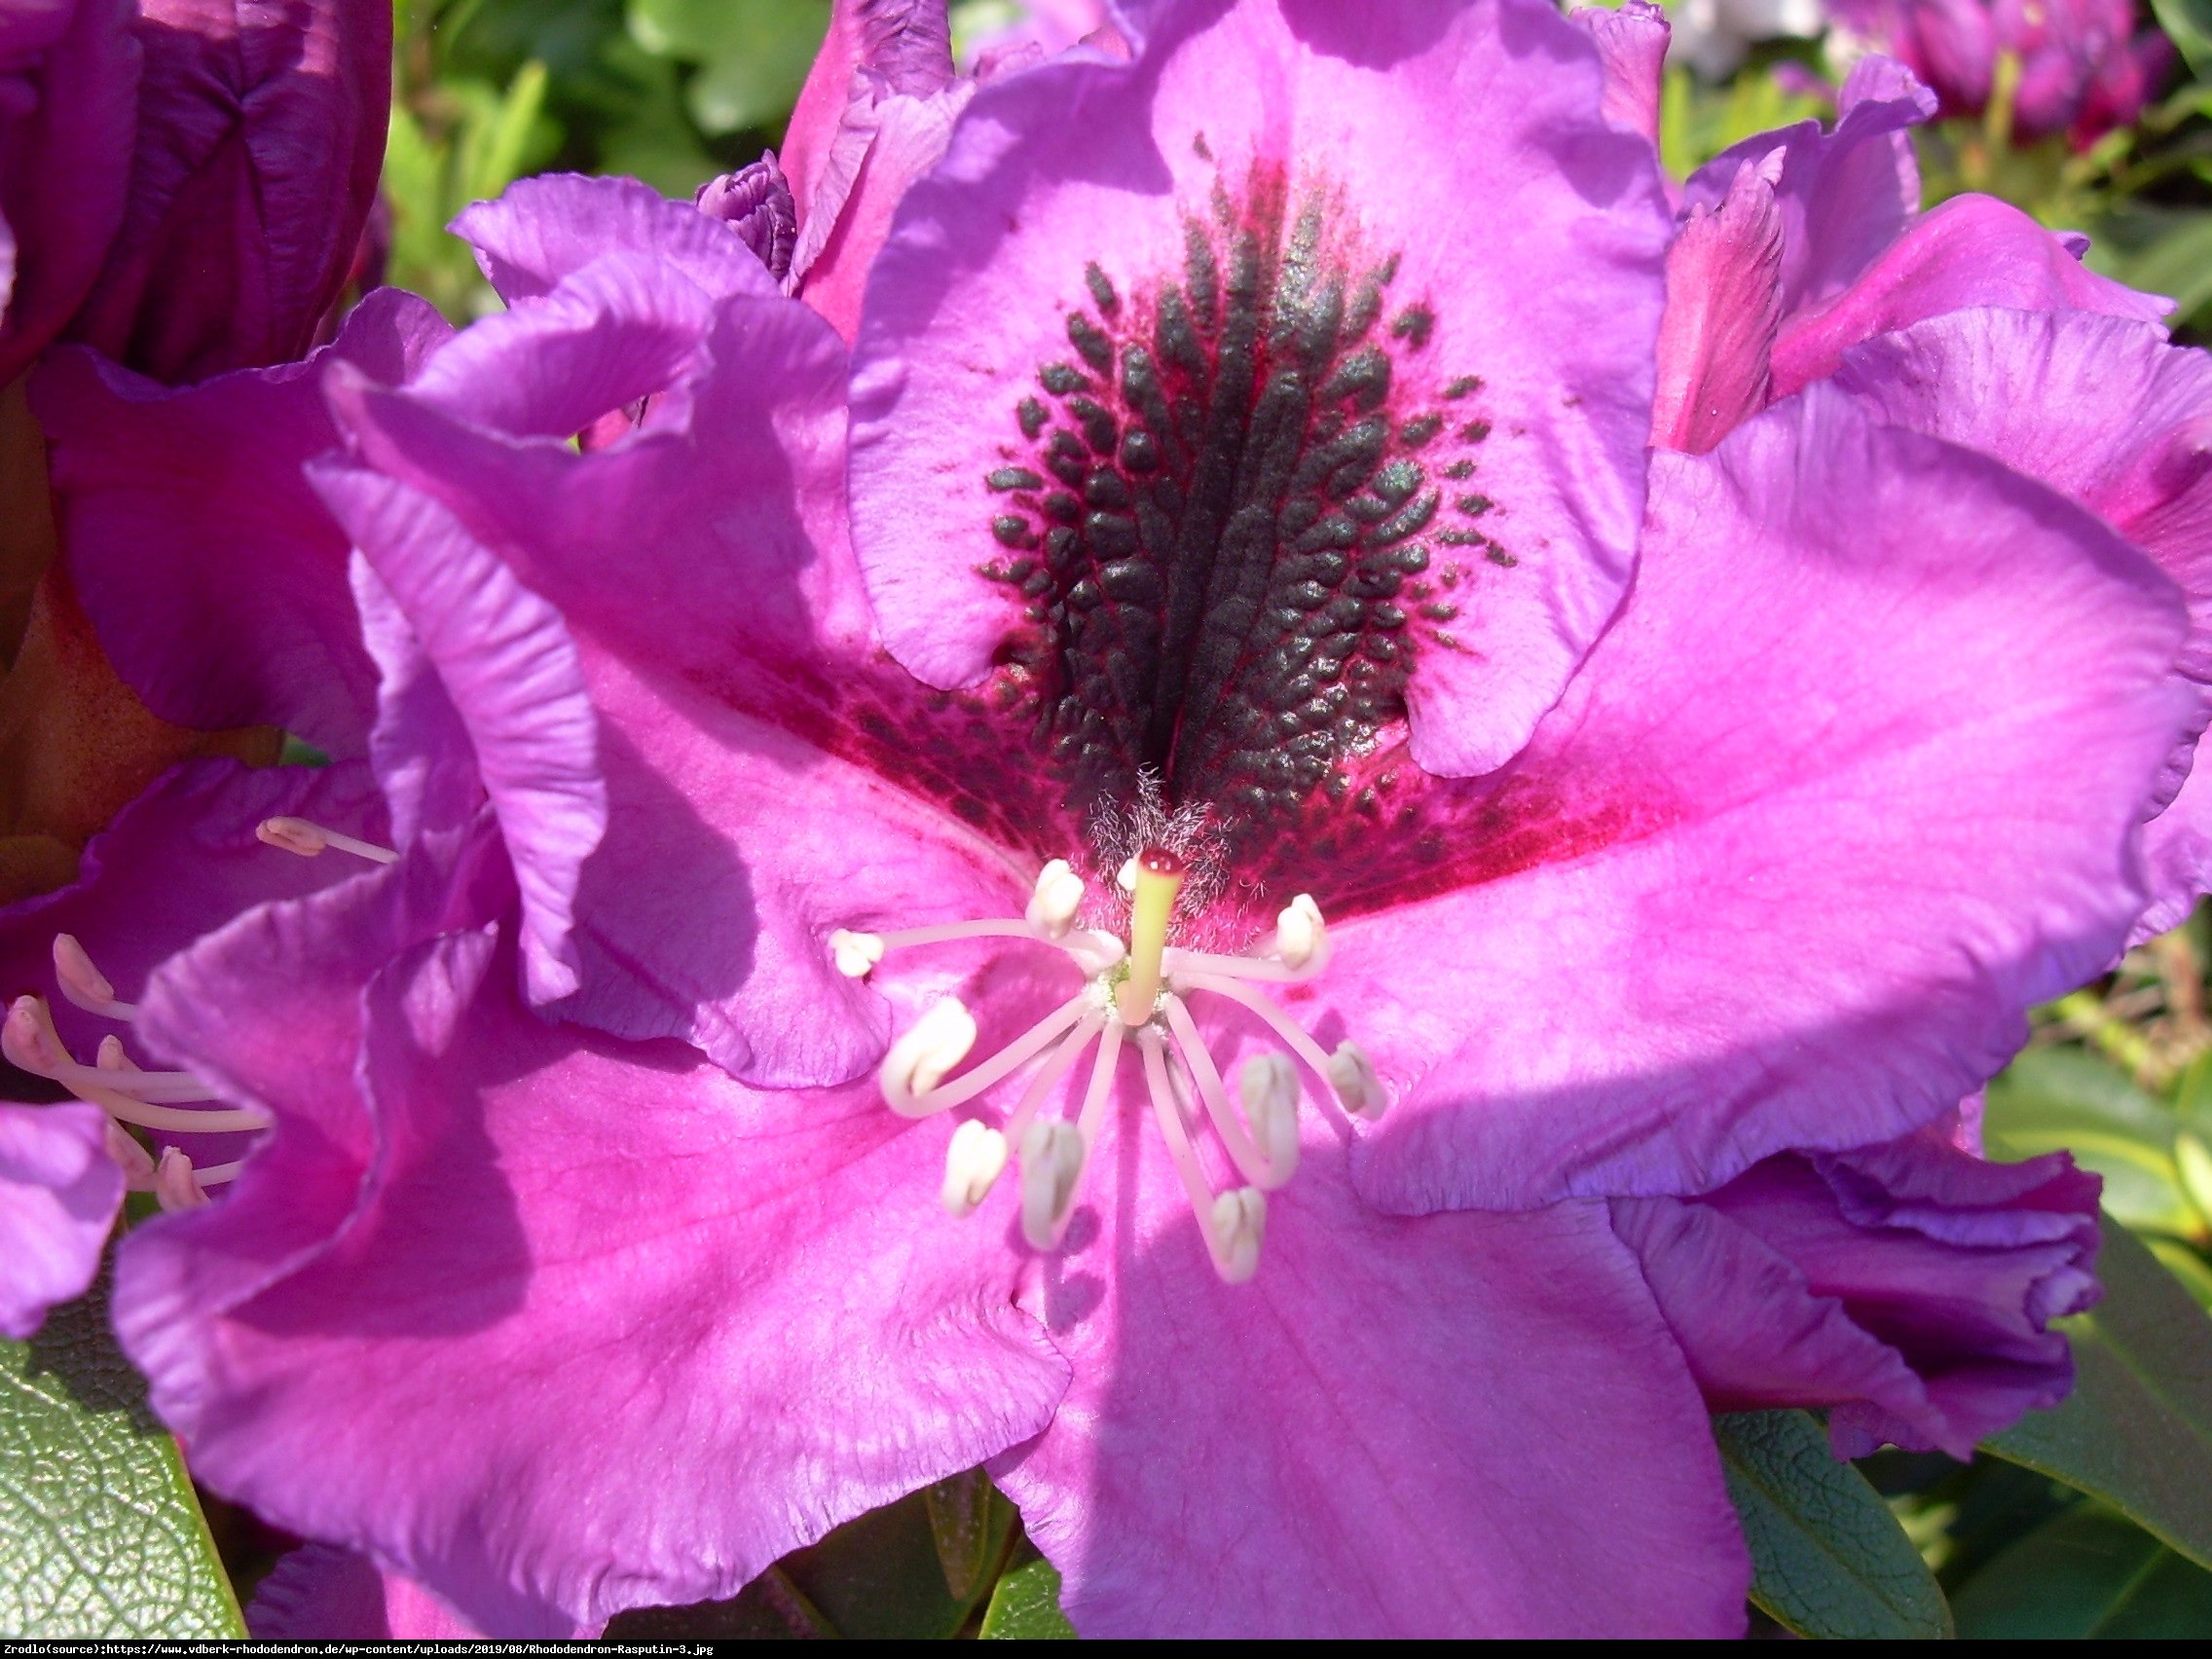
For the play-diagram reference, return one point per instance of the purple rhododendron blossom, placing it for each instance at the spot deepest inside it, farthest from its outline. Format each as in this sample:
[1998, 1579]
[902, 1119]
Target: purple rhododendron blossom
[1210, 524]
[204, 140]
[1908, 1288]
[321, 1593]
[1469, 932]
[2083, 66]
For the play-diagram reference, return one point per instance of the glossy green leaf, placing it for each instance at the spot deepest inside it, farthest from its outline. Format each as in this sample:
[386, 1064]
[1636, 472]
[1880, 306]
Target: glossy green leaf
[2062, 1099]
[2137, 1430]
[1025, 1606]
[100, 1533]
[2087, 1574]
[2189, 25]
[1827, 1556]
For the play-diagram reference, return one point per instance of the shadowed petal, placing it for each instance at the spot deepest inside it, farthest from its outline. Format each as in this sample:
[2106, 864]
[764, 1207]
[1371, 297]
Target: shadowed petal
[58, 1194]
[322, 1592]
[1422, 1460]
[1632, 43]
[1908, 1288]
[509, 666]
[68, 97]
[1971, 250]
[260, 137]
[1847, 789]
[213, 573]
[485, 1271]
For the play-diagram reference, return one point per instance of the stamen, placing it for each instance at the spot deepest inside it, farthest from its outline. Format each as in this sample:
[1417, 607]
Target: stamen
[1233, 1222]
[174, 1182]
[1054, 1152]
[972, 1164]
[307, 839]
[1348, 1072]
[1159, 878]
[941, 1040]
[29, 1041]
[1058, 896]
[1269, 1088]
[1302, 944]
[855, 952]
[84, 984]
[1052, 1159]
[1258, 1162]
[1050, 1073]
[1300, 936]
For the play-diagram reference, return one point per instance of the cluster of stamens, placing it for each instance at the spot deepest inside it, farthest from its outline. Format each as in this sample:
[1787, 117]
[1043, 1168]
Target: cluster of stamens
[1136, 992]
[164, 1102]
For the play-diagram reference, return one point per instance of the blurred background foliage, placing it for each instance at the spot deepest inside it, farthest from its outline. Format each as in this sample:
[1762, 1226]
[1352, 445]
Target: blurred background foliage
[675, 91]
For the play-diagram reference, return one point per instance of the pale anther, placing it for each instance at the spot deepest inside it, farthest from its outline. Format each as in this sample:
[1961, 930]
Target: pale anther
[1352, 1074]
[1055, 900]
[1268, 1084]
[1299, 932]
[83, 983]
[1238, 1226]
[300, 835]
[917, 1062]
[1051, 1162]
[972, 1166]
[135, 1161]
[855, 952]
[175, 1184]
[1127, 876]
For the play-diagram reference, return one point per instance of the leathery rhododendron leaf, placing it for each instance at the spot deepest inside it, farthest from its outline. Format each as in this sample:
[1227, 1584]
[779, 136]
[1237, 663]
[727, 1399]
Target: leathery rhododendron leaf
[2137, 1431]
[1827, 1556]
[103, 1534]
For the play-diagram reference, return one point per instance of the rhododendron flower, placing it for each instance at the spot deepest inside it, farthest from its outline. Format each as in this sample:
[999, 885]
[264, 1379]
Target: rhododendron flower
[2081, 67]
[1230, 769]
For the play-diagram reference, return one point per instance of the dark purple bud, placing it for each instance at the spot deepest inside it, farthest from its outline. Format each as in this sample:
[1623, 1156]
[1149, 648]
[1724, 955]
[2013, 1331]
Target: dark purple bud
[756, 203]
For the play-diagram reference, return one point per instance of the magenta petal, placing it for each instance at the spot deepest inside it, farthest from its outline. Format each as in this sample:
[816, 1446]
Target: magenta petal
[1436, 133]
[547, 228]
[1909, 1287]
[69, 73]
[1394, 1430]
[1723, 305]
[2102, 408]
[902, 47]
[1972, 250]
[58, 1194]
[507, 662]
[2177, 857]
[484, 1272]
[213, 573]
[322, 1592]
[1632, 42]
[260, 137]
[1848, 787]
[1843, 195]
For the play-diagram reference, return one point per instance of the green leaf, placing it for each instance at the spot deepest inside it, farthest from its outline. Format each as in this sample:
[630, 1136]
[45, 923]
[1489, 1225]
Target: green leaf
[2137, 1430]
[2189, 25]
[881, 1577]
[2088, 1572]
[104, 1536]
[1827, 1556]
[754, 57]
[1026, 1606]
[2062, 1099]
